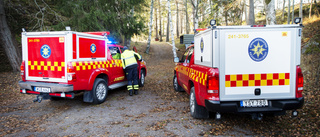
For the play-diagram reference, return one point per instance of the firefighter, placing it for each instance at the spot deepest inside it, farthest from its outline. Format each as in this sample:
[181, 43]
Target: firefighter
[130, 66]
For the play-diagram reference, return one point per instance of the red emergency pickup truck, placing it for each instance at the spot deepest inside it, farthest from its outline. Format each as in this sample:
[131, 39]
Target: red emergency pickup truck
[242, 69]
[63, 63]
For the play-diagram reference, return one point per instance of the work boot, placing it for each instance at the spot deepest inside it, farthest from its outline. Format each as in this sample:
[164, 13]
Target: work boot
[136, 92]
[130, 92]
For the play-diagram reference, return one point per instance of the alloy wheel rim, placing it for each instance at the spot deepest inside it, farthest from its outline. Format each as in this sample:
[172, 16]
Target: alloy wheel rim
[192, 102]
[101, 91]
[175, 83]
[142, 78]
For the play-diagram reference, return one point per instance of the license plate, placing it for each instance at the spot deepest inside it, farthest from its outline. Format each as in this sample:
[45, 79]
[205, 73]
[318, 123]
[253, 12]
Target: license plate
[254, 103]
[42, 89]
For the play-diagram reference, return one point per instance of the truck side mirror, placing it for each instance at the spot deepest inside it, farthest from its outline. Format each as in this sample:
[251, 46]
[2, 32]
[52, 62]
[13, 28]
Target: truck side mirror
[176, 59]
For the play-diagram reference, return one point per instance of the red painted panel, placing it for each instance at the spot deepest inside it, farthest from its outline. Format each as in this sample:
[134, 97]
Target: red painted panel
[74, 46]
[91, 48]
[46, 57]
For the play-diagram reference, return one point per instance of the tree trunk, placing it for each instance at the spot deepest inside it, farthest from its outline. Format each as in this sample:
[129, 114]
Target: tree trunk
[292, 11]
[288, 12]
[150, 27]
[160, 32]
[171, 27]
[187, 20]
[300, 11]
[168, 25]
[8, 42]
[195, 14]
[271, 12]
[241, 13]
[316, 8]
[177, 22]
[246, 13]
[226, 16]
[251, 13]
[127, 41]
[283, 5]
[157, 34]
[181, 23]
[310, 11]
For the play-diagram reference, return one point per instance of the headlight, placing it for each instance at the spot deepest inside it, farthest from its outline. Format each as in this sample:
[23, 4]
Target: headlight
[143, 62]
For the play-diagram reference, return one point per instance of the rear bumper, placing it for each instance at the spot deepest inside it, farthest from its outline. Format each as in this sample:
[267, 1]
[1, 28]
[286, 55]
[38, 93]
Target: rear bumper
[53, 86]
[274, 106]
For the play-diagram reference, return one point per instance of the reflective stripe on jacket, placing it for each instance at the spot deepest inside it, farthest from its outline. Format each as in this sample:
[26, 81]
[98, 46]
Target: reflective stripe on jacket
[128, 59]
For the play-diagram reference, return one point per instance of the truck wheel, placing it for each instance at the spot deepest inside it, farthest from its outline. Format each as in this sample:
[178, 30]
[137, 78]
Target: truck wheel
[100, 91]
[197, 111]
[142, 78]
[176, 85]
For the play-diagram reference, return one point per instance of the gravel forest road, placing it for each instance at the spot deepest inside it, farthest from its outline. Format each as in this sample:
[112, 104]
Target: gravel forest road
[157, 111]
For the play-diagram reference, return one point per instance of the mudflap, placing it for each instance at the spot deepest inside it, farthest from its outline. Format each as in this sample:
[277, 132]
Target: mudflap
[88, 97]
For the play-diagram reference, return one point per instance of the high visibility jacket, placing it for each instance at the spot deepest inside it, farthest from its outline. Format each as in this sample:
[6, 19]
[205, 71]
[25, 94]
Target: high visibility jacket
[128, 58]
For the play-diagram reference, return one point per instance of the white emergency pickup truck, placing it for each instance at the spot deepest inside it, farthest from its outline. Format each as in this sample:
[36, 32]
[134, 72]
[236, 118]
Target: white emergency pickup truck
[243, 69]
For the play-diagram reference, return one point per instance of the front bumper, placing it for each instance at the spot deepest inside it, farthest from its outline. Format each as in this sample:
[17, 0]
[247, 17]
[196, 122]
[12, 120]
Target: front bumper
[274, 106]
[53, 86]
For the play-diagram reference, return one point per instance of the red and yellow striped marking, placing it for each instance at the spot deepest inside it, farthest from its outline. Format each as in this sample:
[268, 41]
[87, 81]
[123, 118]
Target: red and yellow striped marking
[195, 75]
[88, 65]
[46, 65]
[248, 80]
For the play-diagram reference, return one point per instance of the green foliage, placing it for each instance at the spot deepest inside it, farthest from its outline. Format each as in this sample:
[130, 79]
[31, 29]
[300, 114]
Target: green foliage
[120, 17]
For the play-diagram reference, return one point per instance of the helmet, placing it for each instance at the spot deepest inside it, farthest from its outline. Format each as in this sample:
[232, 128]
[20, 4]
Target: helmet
[125, 48]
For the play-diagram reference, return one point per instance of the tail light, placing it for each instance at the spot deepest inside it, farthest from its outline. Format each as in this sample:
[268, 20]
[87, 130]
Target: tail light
[299, 83]
[213, 86]
[22, 71]
[71, 76]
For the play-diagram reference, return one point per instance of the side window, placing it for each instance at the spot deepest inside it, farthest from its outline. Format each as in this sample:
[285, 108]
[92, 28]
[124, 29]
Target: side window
[121, 49]
[184, 56]
[115, 52]
[190, 54]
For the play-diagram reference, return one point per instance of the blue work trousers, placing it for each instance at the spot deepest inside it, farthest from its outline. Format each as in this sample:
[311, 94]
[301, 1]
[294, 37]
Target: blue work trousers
[132, 77]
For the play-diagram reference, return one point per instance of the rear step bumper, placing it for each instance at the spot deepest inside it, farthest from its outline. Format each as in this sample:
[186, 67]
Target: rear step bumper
[54, 87]
[274, 106]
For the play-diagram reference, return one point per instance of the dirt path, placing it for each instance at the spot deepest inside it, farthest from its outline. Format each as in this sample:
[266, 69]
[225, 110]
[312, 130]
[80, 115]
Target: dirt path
[157, 111]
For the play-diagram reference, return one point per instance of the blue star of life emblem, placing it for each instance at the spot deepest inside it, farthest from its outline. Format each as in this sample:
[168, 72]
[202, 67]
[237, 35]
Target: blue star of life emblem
[93, 48]
[45, 51]
[201, 45]
[258, 49]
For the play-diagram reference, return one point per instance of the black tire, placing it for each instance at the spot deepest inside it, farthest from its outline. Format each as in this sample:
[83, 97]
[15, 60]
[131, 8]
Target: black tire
[99, 91]
[197, 111]
[176, 85]
[142, 78]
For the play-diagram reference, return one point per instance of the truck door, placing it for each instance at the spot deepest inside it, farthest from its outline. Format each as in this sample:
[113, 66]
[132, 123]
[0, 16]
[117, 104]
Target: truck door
[184, 68]
[115, 61]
